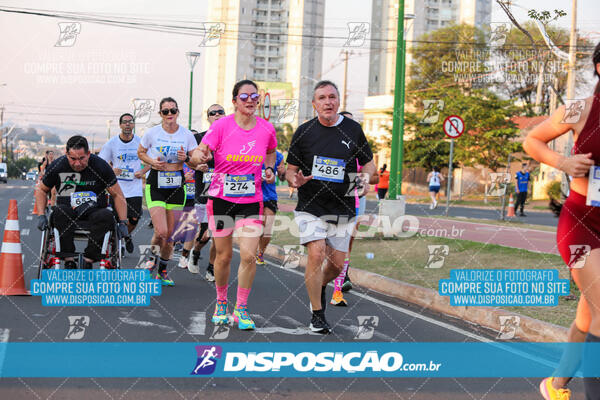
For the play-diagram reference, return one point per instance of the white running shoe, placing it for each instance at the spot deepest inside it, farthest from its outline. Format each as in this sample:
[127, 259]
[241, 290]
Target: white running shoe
[193, 268]
[431, 206]
[183, 262]
[434, 204]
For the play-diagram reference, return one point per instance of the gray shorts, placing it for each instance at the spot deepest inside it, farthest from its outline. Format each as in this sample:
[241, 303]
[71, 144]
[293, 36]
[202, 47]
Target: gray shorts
[201, 215]
[336, 236]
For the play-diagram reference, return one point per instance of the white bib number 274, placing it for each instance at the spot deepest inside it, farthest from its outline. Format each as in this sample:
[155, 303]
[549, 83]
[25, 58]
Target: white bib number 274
[239, 185]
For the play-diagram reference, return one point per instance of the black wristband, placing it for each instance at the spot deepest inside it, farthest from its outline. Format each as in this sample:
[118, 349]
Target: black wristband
[187, 158]
[271, 168]
[123, 221]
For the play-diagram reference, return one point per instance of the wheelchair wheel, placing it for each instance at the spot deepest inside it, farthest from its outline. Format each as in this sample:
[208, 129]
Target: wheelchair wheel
[46, 251]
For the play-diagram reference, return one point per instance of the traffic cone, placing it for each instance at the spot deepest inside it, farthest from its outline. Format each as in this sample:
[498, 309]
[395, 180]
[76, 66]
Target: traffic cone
[511, 207]
[12, 280]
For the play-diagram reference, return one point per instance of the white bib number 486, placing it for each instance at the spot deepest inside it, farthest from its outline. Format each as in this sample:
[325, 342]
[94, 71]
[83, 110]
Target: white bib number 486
[328, 169]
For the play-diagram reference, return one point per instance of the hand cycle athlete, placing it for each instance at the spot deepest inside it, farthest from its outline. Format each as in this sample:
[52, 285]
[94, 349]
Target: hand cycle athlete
[322, 155]
[241, 143]
[121, 153]
[165, 148]
[578, 226]
[204, 173]
[81, 179]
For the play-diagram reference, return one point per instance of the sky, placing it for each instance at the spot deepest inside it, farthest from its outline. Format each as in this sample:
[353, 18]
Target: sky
[83, 86]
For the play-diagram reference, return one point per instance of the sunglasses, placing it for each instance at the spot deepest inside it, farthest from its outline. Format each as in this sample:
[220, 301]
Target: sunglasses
[216, 112]
[166, 111]
[245, 96]
[128, 121]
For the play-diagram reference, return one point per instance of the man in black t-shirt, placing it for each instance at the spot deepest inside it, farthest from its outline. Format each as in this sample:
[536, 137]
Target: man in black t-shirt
[203, 178]
[322, 163]
[81, 180]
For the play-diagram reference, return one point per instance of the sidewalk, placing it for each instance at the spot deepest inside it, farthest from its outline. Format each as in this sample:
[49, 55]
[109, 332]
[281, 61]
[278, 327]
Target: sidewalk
[528, 239]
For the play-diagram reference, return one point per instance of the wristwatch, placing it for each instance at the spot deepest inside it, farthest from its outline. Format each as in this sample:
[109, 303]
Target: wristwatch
[187, 158]
[271, 168]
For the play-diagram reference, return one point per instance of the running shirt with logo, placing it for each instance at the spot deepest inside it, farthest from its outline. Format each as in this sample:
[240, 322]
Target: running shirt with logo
[239, 155]
[435, 179]
[94, 179]
[329, 154]
[123, 155]
[163, 146]
[270, 189]
[203, 180]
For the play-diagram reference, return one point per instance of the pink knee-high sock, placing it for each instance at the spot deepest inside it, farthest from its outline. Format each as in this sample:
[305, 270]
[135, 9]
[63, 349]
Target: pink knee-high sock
[242, 296]
[222, 292]
[339, 281]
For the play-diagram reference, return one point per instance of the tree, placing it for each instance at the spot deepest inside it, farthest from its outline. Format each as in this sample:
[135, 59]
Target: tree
[489, 132]
[284, 135]
[521, 79]
[17, 167]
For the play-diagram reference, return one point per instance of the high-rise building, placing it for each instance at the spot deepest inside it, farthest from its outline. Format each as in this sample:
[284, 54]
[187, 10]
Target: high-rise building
[266, 41]
[429, 15]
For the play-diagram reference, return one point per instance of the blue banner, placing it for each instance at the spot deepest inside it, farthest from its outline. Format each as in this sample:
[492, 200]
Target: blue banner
[223, 359]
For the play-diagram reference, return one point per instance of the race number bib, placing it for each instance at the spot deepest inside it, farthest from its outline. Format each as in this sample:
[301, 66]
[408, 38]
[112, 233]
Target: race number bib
[207, 176]
[190, 190]
[264, 175]
[593, 191]
[126, 174]
[328, 169]
[78, 198]
[169, 179]
[239, 185]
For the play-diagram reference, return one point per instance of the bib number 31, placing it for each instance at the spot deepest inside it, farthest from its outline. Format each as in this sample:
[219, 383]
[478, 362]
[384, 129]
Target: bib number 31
[169, 180]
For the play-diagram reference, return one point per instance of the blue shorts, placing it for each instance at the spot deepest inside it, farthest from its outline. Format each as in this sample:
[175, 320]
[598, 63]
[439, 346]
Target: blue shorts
[435, 189]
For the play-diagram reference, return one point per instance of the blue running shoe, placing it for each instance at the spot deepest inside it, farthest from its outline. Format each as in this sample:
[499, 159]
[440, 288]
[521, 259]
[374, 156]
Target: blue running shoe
[241, 316]
[220, 315]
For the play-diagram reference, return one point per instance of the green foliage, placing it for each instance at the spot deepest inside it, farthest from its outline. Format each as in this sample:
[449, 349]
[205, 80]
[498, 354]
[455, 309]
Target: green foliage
[284, 132]
[545, 16]
[553, 190]
[489, 133]
[17, 167]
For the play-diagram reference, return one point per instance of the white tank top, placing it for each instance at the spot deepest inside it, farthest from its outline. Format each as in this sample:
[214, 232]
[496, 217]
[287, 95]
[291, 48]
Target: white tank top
[435, 179]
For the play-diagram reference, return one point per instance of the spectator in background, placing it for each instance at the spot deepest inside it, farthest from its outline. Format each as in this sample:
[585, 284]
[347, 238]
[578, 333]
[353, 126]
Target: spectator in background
[521, 187]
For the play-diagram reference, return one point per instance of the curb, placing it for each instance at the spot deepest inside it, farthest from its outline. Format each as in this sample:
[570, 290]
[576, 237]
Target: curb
[530, 329]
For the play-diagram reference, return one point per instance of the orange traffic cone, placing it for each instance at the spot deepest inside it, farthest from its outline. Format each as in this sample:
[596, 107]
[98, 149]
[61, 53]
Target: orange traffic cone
[511, 207]
[12, 280]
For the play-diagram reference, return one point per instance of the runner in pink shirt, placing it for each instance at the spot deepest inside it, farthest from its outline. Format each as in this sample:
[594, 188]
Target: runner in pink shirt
[240, 143]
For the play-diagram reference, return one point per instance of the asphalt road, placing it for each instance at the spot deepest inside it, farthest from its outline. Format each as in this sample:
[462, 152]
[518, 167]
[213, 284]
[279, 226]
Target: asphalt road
[279, 305]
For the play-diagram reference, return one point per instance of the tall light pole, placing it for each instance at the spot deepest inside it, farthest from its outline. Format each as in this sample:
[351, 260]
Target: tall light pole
[192, 58]
[395, 186]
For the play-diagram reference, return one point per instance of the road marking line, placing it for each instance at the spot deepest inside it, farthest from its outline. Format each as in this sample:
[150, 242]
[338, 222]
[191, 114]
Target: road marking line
[29, 217]
[24, 232]
[299, 330]
[131, 321]
[197, 323]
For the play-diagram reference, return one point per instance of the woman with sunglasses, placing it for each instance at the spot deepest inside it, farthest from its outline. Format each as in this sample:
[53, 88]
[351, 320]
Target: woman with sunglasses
[165, 148]
[240, 143]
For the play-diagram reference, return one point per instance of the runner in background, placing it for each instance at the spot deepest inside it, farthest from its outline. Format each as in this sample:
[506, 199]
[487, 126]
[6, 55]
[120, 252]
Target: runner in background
[186, 228]
[578, 227]
[342, 283]
[121, 153]
[321, 159]
[384, 182]
[165, 148]
[435, 182]
[269, 207]
[47, 160]
[240, 143]
[203, 179]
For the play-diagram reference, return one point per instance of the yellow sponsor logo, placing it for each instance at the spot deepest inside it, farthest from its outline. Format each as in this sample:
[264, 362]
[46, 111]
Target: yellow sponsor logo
[244, 158]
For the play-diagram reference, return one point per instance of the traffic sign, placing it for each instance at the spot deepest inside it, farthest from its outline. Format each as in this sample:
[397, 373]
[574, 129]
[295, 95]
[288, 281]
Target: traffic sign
[267, 106]
[454, 126]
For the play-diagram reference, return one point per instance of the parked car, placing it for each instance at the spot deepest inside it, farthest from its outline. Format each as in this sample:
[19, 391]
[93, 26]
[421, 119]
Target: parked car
[31, 176]
[3, 173]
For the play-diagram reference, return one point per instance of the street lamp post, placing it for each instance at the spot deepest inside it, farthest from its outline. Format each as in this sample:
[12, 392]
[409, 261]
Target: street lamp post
[395, 188]
[192, 58]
